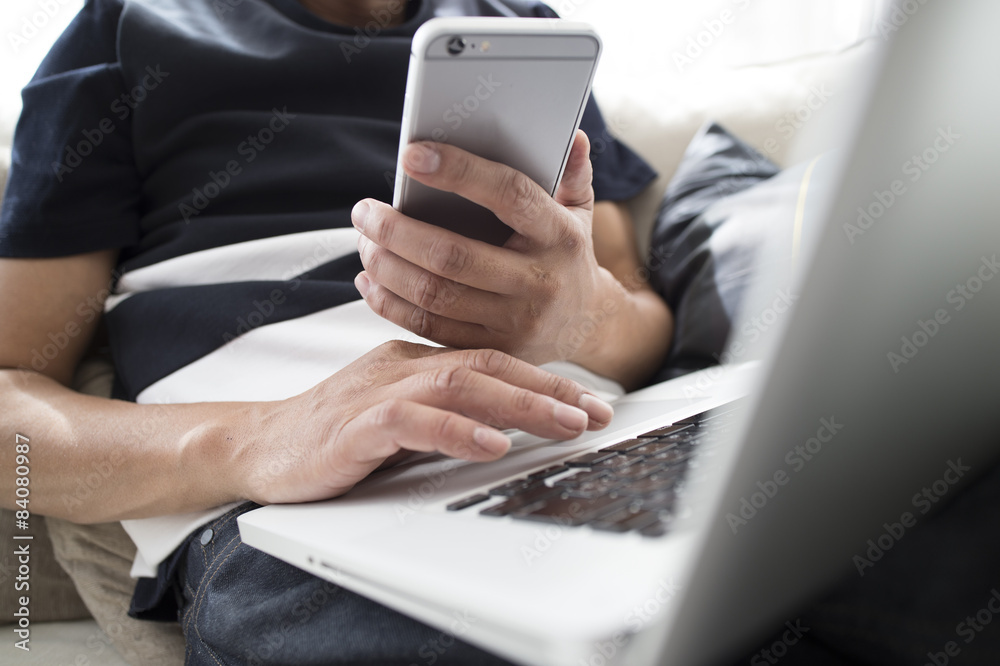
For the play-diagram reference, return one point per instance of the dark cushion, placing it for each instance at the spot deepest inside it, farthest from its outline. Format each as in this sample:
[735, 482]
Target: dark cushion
[726, 208]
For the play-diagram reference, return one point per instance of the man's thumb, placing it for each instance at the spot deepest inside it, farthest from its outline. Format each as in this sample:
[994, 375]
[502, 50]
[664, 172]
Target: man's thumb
[575, 188]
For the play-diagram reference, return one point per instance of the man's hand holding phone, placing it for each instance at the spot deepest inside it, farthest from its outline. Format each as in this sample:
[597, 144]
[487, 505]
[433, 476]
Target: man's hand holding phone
[541, 297]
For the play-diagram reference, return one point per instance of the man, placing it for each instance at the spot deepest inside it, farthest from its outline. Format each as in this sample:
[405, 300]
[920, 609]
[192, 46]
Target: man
[204, 161]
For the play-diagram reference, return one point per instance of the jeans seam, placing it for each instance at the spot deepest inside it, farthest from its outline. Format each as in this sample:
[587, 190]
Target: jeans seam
[214, 525]
[210, 574]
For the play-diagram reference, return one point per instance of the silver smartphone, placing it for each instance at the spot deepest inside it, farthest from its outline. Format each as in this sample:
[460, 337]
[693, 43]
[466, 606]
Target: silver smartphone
[511, 90]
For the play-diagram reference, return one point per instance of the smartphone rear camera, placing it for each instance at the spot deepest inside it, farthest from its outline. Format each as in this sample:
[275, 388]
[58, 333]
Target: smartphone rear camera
[456, 45]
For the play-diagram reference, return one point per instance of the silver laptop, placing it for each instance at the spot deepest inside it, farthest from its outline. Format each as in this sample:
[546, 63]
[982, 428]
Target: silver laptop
[883, 381]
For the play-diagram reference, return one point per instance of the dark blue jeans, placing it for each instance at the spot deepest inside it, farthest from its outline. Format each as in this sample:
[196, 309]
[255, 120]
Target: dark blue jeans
[242, 606]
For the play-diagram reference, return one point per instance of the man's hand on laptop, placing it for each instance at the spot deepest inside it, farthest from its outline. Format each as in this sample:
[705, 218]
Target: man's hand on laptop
[541, 297]
[401, 397]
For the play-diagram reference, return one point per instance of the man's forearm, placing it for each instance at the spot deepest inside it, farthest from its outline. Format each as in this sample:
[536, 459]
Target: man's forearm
[95, 460]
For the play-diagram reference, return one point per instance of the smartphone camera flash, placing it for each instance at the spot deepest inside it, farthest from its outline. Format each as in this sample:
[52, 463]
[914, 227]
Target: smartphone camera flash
[485, 46]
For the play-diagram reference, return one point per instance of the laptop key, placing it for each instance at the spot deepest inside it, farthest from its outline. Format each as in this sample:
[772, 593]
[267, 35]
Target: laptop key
[672, 456]
[594, 488]
[631, 486]
[632, 520]
[627, 445]
[649, 485]
[590, 459]
[687, 438]
[660, 502]
[728, 410]
[573, 511]
[619, 462]
[524, 500]
[580, 477]
[696, 419]
[512, 487]
[467, 502]
[618, 520]
[651, 449]
[665, 431]
[552, 470]
[641, 470]
[643, 519]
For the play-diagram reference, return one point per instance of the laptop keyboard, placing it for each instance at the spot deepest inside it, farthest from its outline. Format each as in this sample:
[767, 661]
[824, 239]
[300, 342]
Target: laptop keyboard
[630, 486]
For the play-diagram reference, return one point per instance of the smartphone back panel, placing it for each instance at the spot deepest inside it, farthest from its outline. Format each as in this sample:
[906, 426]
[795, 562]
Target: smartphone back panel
[509, 90]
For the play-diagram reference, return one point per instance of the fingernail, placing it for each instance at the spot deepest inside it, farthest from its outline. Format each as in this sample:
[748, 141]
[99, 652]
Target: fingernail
[492, 441]
[422, 158]
[598, 410]
[359, 214]
[571, 418]
[362, 283]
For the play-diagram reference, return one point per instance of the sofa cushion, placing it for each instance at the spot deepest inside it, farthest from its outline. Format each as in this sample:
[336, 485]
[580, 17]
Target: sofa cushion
[727, 211]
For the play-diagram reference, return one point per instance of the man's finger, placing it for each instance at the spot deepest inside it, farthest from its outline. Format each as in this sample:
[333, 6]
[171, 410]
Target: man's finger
[576, 188]
[520, 374]
[418, 321]
[432, 292]
[438, 250]
[399, 424]
[495, 402]
[516, 199]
